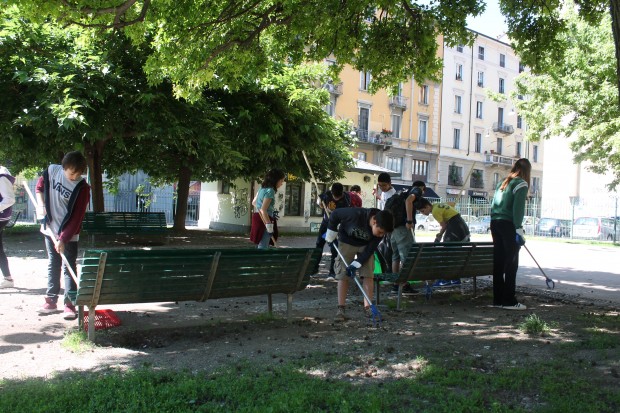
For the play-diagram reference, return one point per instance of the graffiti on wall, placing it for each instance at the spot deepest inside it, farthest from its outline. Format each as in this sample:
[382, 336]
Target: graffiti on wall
[240, 203]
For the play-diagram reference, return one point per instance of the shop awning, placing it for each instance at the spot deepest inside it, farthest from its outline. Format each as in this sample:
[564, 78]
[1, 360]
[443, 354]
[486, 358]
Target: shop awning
[370, 168]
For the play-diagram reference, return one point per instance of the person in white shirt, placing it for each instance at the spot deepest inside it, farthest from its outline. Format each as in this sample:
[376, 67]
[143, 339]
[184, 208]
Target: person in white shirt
[384, 183]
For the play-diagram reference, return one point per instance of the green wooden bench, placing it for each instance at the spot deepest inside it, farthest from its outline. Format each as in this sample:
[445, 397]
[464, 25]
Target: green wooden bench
[168, 275]
[428, 261]
[124, 223]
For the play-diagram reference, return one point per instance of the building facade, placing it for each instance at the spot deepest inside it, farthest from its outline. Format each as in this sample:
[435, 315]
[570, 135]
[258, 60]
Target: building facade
[482, 135]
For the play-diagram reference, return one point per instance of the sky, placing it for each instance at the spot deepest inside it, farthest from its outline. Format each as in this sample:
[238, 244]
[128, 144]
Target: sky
[491, 22]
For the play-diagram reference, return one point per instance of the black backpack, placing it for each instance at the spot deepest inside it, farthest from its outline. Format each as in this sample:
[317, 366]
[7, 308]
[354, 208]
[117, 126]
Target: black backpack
[396, 205]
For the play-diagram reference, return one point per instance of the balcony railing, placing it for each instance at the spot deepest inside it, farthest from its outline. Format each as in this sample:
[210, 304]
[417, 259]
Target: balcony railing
[503, 128]
[455, 181]
[376, 138]
[334, 89]
[399, 101]
[496, 159]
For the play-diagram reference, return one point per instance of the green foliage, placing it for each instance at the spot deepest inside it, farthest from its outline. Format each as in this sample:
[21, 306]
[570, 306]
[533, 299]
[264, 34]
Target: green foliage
[577, 97]
[226, 43]
[445, 385]
[534, 325]
[77, 341]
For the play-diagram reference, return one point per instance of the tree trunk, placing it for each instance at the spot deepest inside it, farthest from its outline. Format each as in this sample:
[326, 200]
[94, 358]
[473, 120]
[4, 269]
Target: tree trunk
[614, 9]
[94, 153]
[185, 174]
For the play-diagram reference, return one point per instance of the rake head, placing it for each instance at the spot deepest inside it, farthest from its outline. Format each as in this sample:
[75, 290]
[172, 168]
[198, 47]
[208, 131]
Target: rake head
[377, 319]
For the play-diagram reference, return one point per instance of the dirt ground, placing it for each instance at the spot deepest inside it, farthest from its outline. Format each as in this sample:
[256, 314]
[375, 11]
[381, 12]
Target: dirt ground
[205, 336]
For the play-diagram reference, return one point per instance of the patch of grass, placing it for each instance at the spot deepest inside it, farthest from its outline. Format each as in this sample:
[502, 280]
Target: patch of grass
[534, 325]
[77, 341]
[263, 318]
[602, 332]
[442, 385]
[390, 303]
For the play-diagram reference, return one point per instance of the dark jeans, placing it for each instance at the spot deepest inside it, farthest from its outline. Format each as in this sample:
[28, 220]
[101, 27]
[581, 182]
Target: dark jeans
[320, 243]
[505, 262]
[54, 265]
[4, 262]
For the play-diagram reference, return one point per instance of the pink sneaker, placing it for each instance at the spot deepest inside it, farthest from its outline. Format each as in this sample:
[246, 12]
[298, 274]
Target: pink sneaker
[70, 312]
[49, 306]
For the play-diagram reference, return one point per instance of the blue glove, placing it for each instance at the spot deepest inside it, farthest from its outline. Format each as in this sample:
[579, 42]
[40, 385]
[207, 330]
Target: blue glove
[520, 237]
[352, 269]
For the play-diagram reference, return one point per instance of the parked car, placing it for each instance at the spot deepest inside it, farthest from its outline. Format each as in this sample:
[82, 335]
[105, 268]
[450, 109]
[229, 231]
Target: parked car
[481, 226]
[426, 223]
[469, 218]
[553, 227]
[594, 228]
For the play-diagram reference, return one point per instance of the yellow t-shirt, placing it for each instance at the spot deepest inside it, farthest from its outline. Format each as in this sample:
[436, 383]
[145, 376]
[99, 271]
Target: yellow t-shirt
[443, 212]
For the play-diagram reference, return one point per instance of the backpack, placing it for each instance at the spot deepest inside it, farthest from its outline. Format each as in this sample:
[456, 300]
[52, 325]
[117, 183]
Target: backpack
[396, 205]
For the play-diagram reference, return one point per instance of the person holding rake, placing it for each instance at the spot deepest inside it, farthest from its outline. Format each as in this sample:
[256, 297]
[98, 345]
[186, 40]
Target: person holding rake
[359, 231]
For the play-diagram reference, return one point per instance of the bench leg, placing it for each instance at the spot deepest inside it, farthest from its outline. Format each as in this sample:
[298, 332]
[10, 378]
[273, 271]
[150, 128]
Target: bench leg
[398, 297]
[91, 323]
[289, 307]
[81, 317]
[269, 304]
[475, 287]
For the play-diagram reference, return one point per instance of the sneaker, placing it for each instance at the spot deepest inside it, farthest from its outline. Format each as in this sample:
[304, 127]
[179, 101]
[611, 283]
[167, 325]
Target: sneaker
[70, 312]
[6, 283]
[456, 282]
[441, 283]
[517, 306]
[49, 306]
[340, 315]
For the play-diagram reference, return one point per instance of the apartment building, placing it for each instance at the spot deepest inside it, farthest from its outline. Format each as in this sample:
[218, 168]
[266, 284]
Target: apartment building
[397, 130]
[482, 135]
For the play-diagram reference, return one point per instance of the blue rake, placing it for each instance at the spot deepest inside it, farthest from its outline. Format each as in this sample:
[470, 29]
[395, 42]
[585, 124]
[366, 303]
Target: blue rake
[549, 281]
[377, 319]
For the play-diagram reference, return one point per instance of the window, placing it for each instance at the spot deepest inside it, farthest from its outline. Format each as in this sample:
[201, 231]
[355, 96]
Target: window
[479, 110]
[459, 71]
[361, 156]
[395, 164]
[478, 147]
[500, 117]
[535, 153]
[316, 210]
[535, 186]
[518, 150]
[501, 85]
[419, 170]
[225, 187]
[519, 122]
[500, 144]
[476, 180]
[495, 179]
[521, 67]
[455, 175]
[292, 200]
[330, 108]
[422, 126]
[457, 104]
[481, 79]
[424, 94]
[396, 122]
[520, 97]
[502, 60]
[456, 144]
[364, 80]
[459, 48]
[362, 126]
[480, 52]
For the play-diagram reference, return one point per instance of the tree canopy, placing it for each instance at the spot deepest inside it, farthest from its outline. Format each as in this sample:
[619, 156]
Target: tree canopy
[576, 97]
[65, 88]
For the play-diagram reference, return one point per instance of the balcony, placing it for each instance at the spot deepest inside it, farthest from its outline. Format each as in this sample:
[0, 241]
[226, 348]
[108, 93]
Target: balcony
[496, 159]
[334, 89]
[503, 128]
[476, 182]
[373, 137]
[399, 102]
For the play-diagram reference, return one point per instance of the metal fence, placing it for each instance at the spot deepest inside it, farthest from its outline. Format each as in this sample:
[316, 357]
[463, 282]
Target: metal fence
[145, 199]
